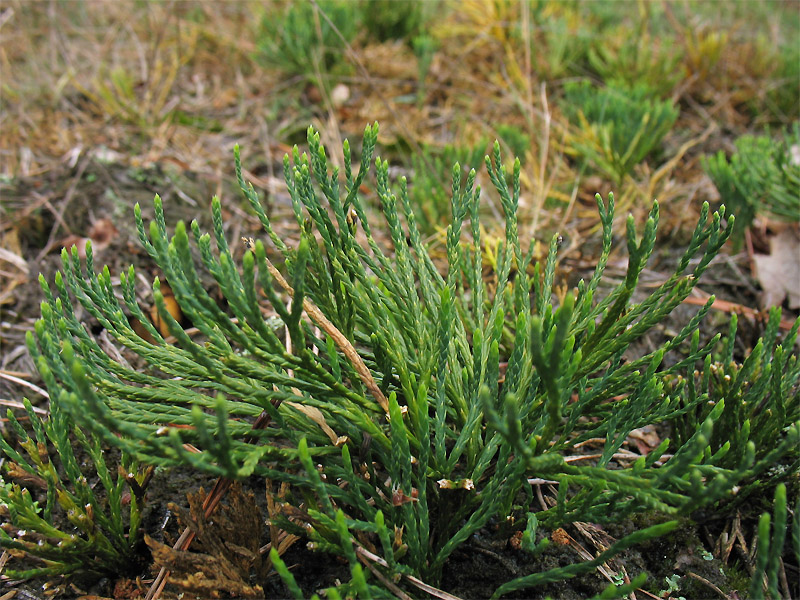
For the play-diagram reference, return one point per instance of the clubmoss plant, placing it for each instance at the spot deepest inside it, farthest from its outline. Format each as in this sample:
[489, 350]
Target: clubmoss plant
[770, 548]
[397, 19]
[430, 196]
[418, 399]
[424, 46]
[516, 140]
[783, 100]
[298, 40]
[633, 60]
[761, 178]
[761, 397]
[560, 41]
[618, 125]
[79, 526]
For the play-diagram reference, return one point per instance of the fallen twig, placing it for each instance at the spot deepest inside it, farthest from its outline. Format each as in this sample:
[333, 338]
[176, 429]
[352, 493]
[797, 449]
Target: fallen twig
[739, 309]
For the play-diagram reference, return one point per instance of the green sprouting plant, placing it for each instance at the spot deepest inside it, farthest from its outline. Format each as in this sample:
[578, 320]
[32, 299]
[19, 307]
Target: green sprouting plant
[430, 196]
[559, 42]
[761, 178]
[762, 401]
[418, 398]
[78, 527]
[673, 585]
[424, 46]
[783, 97]
[637, 60]
[771, 547]
[517, 140]
[396, 19]
[617, 126]
[301, 41]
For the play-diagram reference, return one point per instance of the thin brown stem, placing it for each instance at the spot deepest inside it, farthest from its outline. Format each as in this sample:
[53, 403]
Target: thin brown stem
[338, 337]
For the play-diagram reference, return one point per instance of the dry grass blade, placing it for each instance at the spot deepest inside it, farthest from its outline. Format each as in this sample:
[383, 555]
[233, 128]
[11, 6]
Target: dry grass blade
[739, 309]
[363, 553]
[341, 341]
[710, 585]
[22, 382]
[21, 406]
[14, 259]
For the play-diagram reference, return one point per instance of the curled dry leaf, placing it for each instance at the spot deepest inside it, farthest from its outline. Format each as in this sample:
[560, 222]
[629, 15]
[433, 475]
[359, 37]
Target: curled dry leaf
[101, 233]
[779, 271]
[172, 308]
[645, 438]
[160, 324]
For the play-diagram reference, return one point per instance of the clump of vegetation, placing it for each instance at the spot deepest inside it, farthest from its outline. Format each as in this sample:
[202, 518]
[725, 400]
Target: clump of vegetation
[637, 60]
[418, 401]
[78, 526]
[760, 395]
[517, 141]
[761, 178]
[298, 38]
[782, 95]
[425, 47]
[397, 19]
[616, 126]
[430, 193]
[560, 40]
[770, 549]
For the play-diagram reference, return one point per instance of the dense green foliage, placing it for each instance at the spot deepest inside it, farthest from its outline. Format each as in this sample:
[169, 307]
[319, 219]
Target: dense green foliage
[618, 125]
[430, 193]
[418, 398]
[302, 41]
[771, 546]
[761, 178]
[78, 527]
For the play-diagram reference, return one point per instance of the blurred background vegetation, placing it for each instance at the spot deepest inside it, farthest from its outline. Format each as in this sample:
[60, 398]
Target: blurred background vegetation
[590, 95]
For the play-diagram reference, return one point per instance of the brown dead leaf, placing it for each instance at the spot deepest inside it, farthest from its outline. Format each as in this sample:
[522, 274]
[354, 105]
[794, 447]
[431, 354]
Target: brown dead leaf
[645, 438]
[155, 318]
[141, 331]
[101, 234]
[72, 240]
[172, 308]
[779, 271]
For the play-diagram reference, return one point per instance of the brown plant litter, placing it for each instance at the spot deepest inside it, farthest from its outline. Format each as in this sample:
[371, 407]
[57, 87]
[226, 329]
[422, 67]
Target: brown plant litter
[778, 272]
[229, 547]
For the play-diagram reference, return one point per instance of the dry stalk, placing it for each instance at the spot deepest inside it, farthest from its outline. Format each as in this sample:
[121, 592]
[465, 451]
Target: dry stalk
[339, 339]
